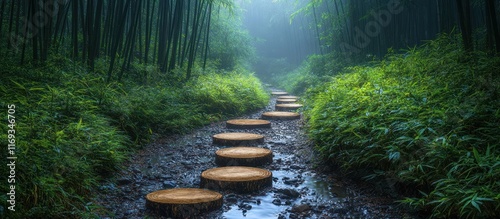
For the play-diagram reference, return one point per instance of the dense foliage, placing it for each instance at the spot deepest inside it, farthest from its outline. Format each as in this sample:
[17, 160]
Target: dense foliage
[427, 121]
[72, 127]
[79, 114]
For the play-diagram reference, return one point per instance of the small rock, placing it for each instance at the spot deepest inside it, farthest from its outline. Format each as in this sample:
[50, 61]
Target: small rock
[339, 211]
[279, 142]
[164, 176]
[277, 201]
[231, 198]
[289, 192]
[245, 206]
[295, 167]
[124, 181]
[168, 184]
[300, 208]
[291, 181]
[130, 212]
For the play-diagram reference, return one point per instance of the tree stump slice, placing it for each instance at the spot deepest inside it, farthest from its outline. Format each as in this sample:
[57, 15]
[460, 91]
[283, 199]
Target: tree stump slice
[279, 115]
[282, 100]
[237, 138]
[289, 97]
[183, 202]
[237, 179]
[247, 124]
[243, 156]
[288, 106]
[278, 93]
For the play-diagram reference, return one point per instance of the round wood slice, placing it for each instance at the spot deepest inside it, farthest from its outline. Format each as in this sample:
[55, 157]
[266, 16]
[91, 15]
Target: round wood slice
[243, 156]
[247, 123]
[279, 115]
[289, 97]
[282, 100]
[279, 93]
[288, 106]
[183, 202]
[238, 179]
[237, 138]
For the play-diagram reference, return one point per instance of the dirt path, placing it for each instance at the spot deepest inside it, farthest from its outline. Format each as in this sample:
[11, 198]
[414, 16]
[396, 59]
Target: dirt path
[299, 190]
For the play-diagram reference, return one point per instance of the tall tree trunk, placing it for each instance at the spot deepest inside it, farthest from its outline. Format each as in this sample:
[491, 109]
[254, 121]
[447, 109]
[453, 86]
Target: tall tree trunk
[117, 34]
[2, 8]
[463, 7]
[74, 28]
[492, 23]
[207, 35]
[317, 30]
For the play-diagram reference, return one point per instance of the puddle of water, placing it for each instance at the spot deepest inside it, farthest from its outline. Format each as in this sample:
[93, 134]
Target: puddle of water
[319, 188]
[266, 209]
[325, 190]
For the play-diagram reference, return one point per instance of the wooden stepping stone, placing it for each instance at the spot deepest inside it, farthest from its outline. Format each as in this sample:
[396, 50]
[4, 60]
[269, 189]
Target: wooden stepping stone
[277, 93]
[281, 100]
[247, 124]
[237, 138]
[238, 179]
[243, 156]
[183, 202]
[288, 106]
[289, 97]
[279, 115]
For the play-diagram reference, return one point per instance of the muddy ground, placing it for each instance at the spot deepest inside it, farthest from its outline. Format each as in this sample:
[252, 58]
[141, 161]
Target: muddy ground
[301, 188]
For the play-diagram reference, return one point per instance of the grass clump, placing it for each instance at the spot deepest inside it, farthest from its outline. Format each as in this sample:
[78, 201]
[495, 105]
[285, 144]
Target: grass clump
[427, 121]
[219, 94]
[313, 71]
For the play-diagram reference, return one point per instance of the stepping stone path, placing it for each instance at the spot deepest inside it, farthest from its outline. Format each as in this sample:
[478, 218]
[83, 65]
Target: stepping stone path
[278, 93]
[239, 179]
[243, 156]
[279, 115]
[282, 100]
[237, 138]
[288, 106]
[237, 172]
[183, 202]
[247, 124]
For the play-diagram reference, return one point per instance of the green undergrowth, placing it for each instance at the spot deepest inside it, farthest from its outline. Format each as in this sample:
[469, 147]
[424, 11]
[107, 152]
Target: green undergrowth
[426, 122]
[313, 71]
[73, 130]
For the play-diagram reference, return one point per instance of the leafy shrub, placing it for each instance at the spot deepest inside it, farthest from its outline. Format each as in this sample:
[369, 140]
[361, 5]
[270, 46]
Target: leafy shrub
[224, 93]
[428, 118]
[144, 110]
[315, 70]
[63, 145]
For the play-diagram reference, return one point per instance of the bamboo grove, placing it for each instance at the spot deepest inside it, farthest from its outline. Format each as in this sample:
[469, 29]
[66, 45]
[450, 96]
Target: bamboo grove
[170, 34]
[357, 29]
